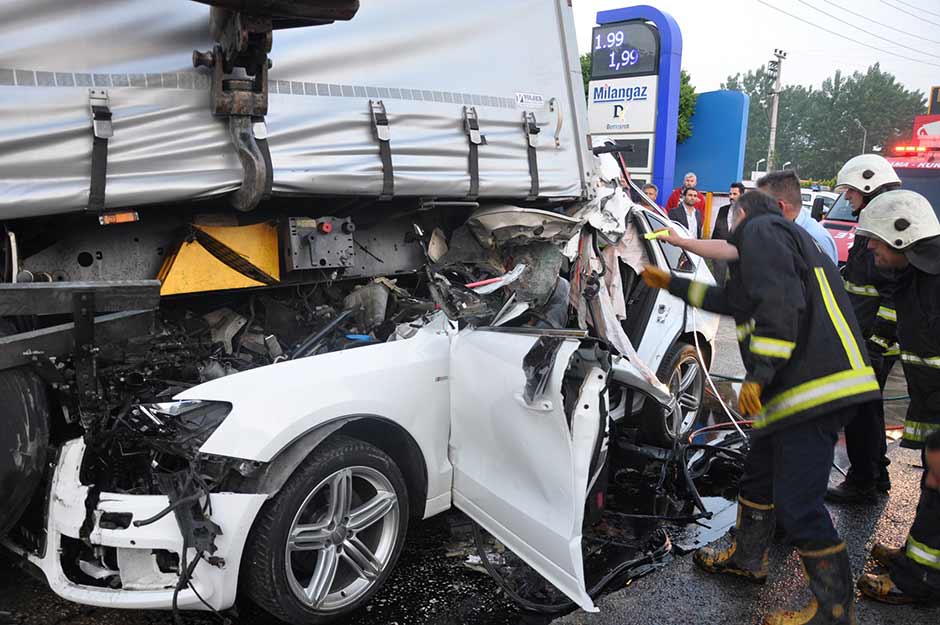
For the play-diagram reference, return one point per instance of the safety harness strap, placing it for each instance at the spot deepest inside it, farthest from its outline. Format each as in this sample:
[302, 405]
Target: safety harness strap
[381, 128]
[475, 139]
[531, 127]
[100, 105]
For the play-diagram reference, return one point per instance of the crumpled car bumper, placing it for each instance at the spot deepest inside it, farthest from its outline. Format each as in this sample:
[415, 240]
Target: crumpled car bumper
[143, 584]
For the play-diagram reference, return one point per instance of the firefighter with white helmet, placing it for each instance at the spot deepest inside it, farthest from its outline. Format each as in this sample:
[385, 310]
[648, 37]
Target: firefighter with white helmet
[862, 179]
[904, 235]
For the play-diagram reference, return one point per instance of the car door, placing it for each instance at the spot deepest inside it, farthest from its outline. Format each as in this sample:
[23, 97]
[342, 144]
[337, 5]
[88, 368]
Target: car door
[665, 316]
[522, 465]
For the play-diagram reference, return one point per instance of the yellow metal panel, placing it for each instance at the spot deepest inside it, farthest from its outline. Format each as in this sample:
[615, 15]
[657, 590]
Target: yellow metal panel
[194, 270]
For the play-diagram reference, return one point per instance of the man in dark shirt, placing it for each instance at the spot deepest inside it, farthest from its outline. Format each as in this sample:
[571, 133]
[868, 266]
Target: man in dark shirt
[724, 222]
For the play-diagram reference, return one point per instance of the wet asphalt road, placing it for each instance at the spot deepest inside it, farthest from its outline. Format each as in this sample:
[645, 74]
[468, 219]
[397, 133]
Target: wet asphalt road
[681, 594]
[429, 588]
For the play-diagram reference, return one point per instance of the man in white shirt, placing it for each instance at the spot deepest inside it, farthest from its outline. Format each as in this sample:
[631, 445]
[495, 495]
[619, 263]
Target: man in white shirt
[724, 223]
[687, 213]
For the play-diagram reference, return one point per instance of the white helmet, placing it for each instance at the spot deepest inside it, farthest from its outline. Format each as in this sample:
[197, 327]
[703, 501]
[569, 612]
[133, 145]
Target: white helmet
[866, 174]
[900, 218]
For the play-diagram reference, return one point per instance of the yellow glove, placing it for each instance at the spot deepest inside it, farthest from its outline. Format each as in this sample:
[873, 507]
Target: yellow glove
[655, 278]
[749, 399]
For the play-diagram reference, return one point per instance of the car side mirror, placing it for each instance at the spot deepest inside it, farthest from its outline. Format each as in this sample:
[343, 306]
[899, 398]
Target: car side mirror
[818, 207]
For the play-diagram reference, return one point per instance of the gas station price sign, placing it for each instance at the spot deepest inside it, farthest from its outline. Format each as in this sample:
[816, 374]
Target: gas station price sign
[626, 49]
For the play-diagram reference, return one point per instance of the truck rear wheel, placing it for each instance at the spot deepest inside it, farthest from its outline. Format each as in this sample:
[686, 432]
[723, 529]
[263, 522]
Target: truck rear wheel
[24, 440]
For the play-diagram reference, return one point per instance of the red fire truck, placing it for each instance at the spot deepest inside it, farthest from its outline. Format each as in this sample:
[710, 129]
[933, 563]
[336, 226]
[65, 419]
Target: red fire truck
[917, 163]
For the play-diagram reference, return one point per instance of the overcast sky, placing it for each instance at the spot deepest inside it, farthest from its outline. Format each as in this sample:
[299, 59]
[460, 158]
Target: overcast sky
[723, 37]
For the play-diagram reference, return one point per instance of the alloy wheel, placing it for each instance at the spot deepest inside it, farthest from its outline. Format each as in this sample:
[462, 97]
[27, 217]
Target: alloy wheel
[341, 538]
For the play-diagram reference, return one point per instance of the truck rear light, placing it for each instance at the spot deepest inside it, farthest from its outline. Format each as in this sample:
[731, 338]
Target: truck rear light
[123, 217]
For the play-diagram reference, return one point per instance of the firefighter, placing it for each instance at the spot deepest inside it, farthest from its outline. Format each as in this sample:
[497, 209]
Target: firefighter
[870, 290]
[807, 372]
[904, 235]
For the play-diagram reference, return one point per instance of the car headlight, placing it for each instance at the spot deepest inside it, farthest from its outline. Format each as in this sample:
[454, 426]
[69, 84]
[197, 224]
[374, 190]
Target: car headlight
[184, 424]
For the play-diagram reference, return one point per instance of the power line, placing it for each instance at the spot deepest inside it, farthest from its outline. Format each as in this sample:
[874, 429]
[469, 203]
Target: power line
[917, 7]
[847, 38]
[920, 17]
[877, 23]
[867, 32]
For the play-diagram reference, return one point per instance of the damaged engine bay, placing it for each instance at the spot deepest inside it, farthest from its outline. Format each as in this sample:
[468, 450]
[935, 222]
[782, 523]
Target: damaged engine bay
[503, 267]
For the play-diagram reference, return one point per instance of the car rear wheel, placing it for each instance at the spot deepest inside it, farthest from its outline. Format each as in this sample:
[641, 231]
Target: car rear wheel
[24, 439]
[326, 543]
[683, 373]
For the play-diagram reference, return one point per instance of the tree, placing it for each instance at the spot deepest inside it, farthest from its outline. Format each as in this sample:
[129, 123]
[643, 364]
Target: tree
[816, 128]
[586, 72]
[687, 97]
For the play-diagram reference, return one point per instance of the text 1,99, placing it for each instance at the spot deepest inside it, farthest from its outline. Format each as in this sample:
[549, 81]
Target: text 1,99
[625, 58]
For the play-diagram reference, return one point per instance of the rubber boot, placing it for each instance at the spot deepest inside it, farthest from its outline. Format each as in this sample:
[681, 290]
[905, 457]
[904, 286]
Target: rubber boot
[830, 579]
[745, 553]
[882, 588]
[885, 555]
[883, 483]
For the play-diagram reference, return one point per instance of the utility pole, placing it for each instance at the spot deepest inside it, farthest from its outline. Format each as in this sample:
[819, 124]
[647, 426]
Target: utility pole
[774, 68]
[864, 135]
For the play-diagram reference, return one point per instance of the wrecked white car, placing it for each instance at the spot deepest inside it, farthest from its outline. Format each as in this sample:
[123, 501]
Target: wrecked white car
[244, 344]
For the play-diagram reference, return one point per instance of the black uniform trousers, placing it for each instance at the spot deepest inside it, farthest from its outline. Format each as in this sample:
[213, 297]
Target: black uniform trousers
[915, 579]
[790, 469]
[865, 441]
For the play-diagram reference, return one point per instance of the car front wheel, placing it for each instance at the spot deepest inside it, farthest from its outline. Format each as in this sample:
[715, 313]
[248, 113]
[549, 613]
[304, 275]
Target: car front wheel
[326, 543]
[683, 373]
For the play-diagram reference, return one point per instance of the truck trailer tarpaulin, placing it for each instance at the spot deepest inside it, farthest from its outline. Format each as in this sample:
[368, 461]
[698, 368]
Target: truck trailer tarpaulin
[167, 147]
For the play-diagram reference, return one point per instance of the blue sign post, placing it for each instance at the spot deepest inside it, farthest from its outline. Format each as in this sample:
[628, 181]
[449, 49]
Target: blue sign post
[624, 69]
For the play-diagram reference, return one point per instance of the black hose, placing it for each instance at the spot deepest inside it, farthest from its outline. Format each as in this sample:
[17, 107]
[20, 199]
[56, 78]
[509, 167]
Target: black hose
[170, 508]
[303, 348]
[690, 484]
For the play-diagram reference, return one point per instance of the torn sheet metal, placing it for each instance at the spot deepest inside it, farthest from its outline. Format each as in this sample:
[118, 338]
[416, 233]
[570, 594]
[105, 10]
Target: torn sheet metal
[504, 224]
[630, 251]
[538, 364]
[597, 308]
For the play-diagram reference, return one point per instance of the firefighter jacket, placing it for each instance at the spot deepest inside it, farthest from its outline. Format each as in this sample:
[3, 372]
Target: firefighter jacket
[918, 301]
[871, 291]
[797, 334]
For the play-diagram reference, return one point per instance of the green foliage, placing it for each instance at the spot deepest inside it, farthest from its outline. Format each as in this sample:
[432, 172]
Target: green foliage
[816, 128]
[687, 97]
[586, 72]
[824, 182]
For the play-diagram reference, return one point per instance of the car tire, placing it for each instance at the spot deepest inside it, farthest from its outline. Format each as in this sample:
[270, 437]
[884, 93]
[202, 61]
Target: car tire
[683, 373]
[24, 439]
[328, 541]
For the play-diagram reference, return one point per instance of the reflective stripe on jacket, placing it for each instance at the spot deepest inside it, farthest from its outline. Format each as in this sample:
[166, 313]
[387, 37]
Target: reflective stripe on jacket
[798, 335]
[918, 311]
